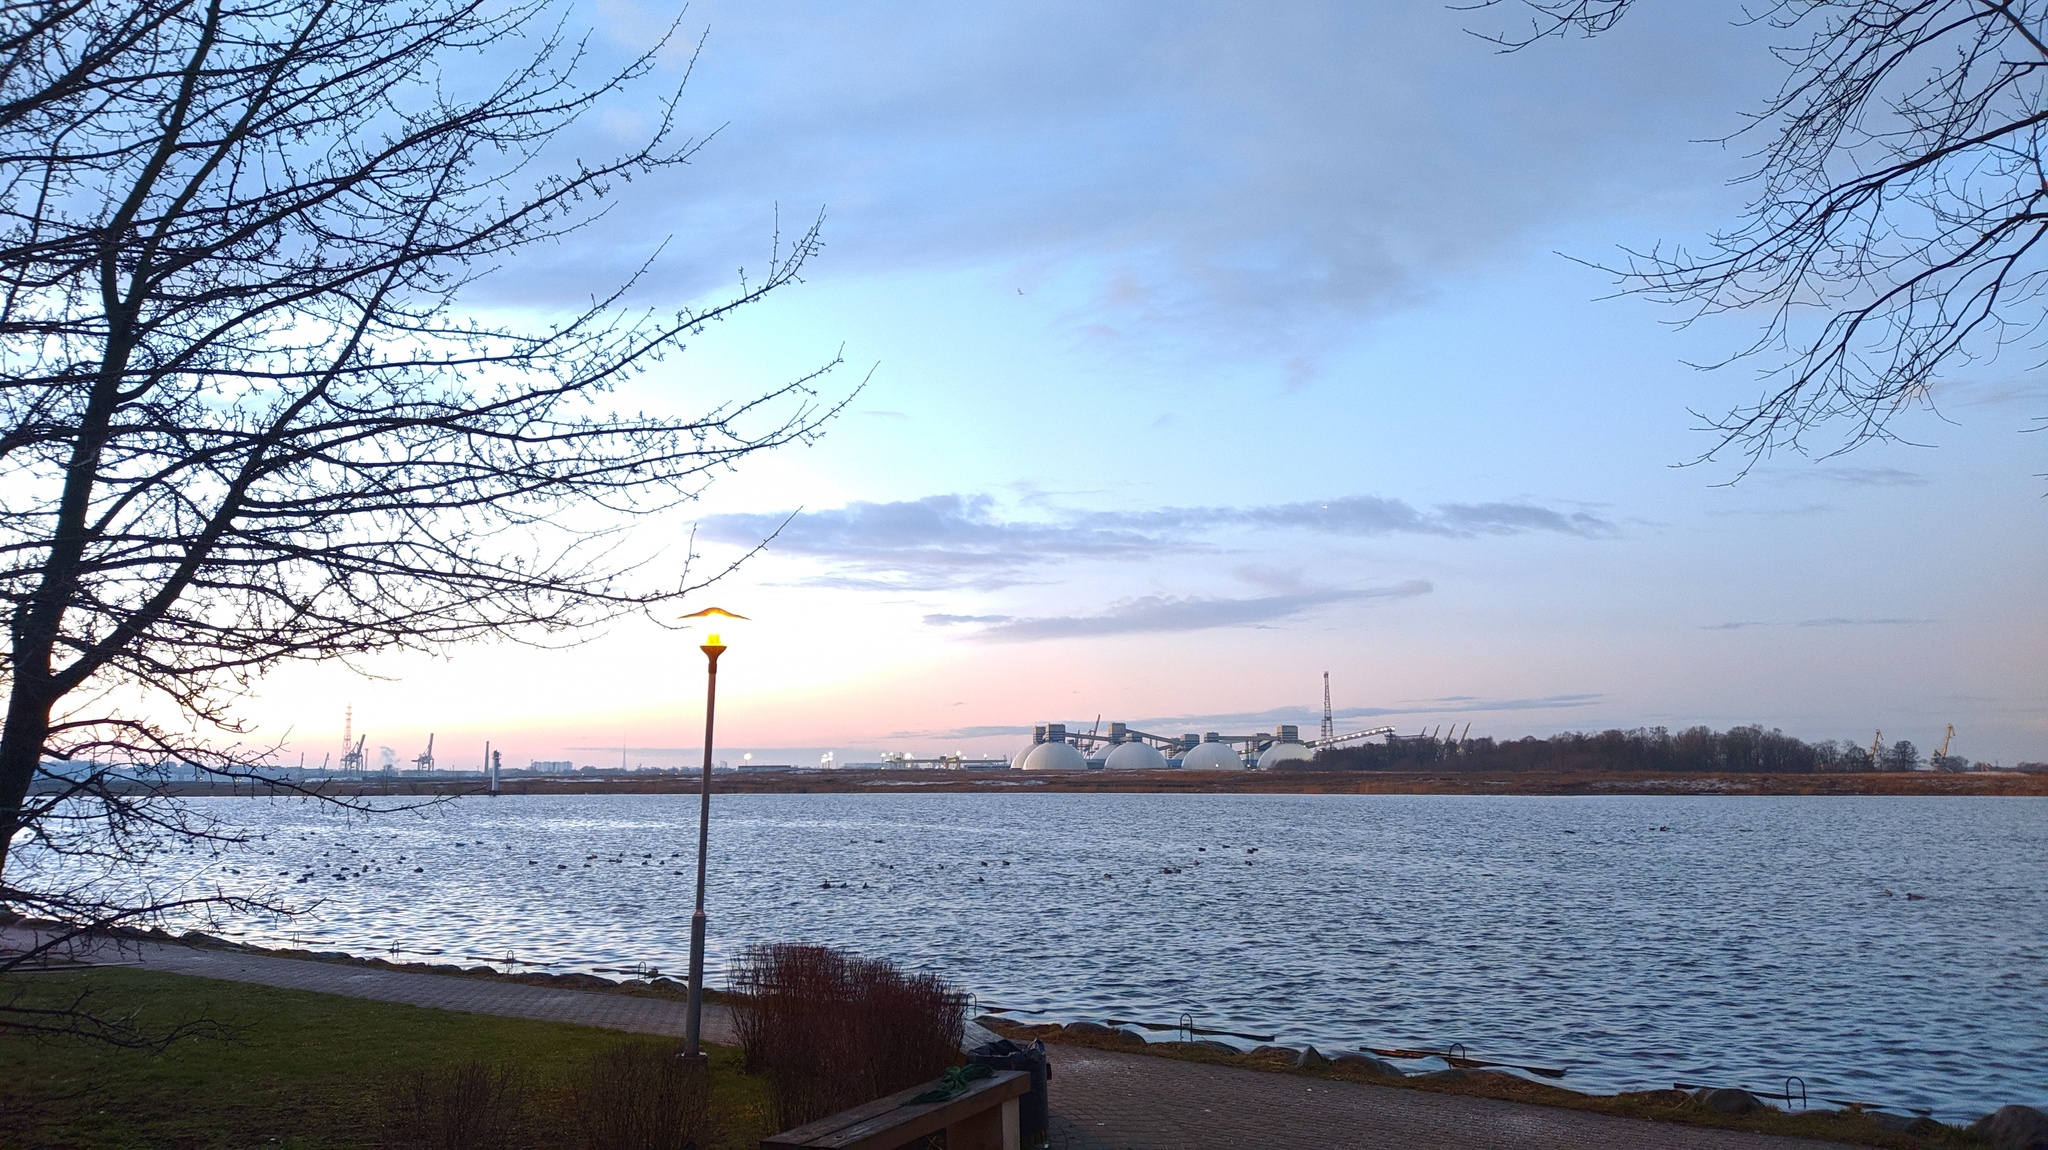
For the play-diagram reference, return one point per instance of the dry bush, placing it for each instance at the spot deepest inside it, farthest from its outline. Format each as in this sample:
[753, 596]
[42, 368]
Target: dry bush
[831, 1030]
[468, 1106]
[793, 1012]
[910, 1026]
[642, 1095]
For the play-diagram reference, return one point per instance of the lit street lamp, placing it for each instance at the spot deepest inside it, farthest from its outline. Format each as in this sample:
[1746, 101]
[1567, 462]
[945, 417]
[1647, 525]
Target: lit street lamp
[713, 624]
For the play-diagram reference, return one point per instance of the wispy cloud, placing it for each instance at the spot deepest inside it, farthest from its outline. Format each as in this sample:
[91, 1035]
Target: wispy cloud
[986, 732]
[1772, 512]
[1363, 515]
[937, 541]
[963, 540]
[1228, 178]
[1156, 613]
[1854, 476]
[1307, 715]
[1831, 621]
[1303, 716]
[1464, 703]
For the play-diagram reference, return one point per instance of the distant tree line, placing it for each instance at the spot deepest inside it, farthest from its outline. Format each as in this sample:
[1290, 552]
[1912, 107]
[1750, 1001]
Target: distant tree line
[1740, 749]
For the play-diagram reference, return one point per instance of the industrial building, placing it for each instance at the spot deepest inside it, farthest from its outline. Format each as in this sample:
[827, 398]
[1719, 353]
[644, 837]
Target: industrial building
[1054, 748]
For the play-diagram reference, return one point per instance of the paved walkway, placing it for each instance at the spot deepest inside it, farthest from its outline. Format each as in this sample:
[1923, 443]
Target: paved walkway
[1101, 1100]
[1113, 1101]
[437, 991]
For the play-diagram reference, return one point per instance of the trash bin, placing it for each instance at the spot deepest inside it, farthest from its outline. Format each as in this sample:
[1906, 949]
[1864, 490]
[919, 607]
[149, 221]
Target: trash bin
[1033, 1111]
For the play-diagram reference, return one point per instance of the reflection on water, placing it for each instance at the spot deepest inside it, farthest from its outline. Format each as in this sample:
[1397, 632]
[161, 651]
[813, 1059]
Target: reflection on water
[1636, 941]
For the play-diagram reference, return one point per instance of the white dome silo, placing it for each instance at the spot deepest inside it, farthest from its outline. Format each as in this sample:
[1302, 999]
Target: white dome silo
[1037, 739]
[1134, 757]
[1212, 757]
[1280, 753]
[1055, 757]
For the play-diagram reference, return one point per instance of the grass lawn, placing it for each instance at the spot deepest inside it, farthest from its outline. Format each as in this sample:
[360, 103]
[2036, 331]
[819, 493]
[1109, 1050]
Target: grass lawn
[300, 1070]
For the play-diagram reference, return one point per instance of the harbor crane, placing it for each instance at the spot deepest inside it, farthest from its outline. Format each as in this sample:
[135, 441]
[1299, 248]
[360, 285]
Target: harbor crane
[425, 760]
[352, 759]
[1939, 761]
[1456, 743]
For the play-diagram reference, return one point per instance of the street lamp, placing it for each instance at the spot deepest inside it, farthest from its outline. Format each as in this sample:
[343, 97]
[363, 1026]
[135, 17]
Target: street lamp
[712, 625]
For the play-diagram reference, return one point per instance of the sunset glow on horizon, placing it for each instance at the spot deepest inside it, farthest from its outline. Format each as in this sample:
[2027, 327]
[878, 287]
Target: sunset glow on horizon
[1206, 352]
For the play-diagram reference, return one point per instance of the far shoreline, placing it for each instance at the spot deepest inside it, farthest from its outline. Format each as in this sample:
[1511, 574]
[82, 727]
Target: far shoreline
[2003, 784]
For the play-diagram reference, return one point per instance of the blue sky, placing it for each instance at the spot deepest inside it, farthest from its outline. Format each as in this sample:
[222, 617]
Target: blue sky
[1211, 347]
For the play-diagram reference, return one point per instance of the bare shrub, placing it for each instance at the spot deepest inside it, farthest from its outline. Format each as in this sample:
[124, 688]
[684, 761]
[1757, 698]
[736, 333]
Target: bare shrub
[909, 1026]
[642, 1095]
[793, 1016]
[830, 1030]
[468, 1106]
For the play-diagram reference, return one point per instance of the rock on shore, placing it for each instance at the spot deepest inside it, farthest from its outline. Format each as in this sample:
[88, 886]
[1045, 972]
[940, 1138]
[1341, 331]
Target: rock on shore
[1366, 1062]
[1729, 1100]
[1097, 1031]
[2014, 1128]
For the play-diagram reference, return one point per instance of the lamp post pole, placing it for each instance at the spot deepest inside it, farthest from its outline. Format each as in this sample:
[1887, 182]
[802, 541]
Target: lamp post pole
[693, 1026]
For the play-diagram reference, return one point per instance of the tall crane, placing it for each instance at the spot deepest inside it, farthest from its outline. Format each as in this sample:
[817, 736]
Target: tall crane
[1876, 745]
[425, 760]
[352, 759]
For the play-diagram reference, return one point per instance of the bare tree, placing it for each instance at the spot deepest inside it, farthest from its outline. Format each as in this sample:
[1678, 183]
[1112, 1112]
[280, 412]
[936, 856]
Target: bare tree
[245, 417]
[1899, 210]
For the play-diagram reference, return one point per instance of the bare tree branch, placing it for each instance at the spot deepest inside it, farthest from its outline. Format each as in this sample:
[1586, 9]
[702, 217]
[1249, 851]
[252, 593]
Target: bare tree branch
[244, 417]
[1901, 200]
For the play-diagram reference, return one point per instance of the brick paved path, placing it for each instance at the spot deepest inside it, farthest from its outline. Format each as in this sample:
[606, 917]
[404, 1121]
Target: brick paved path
[1101, 1100]
[1113, 1101]
[437, 991]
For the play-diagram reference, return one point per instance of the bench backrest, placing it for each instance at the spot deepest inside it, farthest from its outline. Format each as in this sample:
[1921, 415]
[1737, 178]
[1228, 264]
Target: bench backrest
[893, 1121]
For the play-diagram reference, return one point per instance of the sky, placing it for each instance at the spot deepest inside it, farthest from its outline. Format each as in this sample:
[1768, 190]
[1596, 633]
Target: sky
[1195, 351]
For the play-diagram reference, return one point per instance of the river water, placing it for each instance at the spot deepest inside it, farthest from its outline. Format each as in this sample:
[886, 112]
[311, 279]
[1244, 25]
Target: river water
[1632, 941]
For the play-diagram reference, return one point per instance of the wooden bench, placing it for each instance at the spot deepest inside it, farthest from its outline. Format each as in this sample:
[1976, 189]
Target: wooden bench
[984, 1118]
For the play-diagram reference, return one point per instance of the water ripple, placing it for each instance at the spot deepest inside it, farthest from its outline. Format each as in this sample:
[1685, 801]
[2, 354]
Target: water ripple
[1634, 940]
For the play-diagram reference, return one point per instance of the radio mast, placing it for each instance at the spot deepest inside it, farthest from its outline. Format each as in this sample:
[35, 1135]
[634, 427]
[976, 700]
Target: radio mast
[1329, 721]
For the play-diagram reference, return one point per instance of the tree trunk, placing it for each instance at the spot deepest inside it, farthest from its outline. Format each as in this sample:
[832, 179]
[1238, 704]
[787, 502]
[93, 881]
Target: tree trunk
[21, 749]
